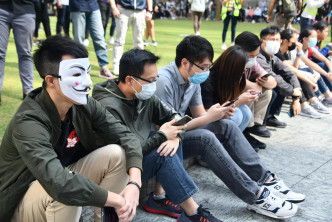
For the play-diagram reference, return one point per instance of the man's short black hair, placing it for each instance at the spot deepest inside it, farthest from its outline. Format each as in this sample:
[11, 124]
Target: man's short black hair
[48, 56]
[133, 61]
[248, 41]
[287, 34]
[194, 48]
[271, 30]
[320, 25]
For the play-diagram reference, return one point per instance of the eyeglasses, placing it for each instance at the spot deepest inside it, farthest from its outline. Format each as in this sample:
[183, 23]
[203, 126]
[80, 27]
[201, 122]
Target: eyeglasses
[204, 69]
[273, 40]
[145, 80]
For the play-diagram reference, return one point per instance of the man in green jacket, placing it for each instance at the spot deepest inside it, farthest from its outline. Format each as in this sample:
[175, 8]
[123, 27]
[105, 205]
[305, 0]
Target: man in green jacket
[50, 162]
[131, 100]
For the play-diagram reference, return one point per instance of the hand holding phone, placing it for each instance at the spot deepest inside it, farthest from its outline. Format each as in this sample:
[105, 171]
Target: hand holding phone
[185, 119]
[265, 76]
[231, 102]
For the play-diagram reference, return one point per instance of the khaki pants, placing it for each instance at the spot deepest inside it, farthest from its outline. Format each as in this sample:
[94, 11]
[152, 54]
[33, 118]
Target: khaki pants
[282, 22]
[259, 108]
[105, 166]
[127, 17]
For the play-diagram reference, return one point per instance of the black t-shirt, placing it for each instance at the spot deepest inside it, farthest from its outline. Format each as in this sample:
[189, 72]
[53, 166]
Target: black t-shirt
[209, 92]
[281, 56]
[68, 146]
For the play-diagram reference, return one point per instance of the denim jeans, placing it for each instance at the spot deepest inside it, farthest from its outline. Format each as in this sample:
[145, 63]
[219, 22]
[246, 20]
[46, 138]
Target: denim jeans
[170, 174]
[276, 104]
[242, 116]
[23, 27]
[63, 20]
[233, 28]
[95, 26]
[327, 82]
[305, 23]
[223, 147]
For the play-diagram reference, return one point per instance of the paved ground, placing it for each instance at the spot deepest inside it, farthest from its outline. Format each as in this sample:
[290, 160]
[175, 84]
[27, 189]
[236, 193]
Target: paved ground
[301, 154]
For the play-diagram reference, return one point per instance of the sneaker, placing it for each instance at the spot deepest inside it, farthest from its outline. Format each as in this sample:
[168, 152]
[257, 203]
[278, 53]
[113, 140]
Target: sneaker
[202, 215]
[260, 130]
[308, 111]
[272, 206]
[86, 42]
[274, 122]
[224, 46]
[319, 107]
[327, 101]
[203, 163]
[145, 43]
[106, 73]
[278, 188]
[111, 41]
[255, 143]
[36, 42]
[154, 43]
[162, 206]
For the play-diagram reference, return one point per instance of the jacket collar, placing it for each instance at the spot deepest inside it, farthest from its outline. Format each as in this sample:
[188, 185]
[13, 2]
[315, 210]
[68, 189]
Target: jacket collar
[267, 57]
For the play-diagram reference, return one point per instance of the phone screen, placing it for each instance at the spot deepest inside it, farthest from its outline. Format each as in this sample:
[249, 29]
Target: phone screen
[182, 121]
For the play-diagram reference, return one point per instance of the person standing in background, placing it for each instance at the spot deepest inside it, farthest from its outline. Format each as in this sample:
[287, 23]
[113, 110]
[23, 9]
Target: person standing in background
[149, 31]
[18, 15]
[197, 8]
[63, 17]
[309, 12]
[41, 16]
[230, 11]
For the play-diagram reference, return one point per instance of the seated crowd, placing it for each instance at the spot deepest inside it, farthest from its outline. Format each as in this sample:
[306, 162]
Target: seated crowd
[63, 149]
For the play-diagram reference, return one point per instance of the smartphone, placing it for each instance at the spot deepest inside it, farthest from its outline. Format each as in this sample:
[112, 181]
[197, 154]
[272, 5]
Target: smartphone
[182, 121]
[266, 75]
[259, 93]
[232, 102]
[290, 113]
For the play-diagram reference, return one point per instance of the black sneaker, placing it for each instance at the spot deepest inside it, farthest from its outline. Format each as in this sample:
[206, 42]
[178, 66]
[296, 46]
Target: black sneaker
[108, 214]
[162, 206]
[274, 122]
[260, 130]
[202, 215]
[255, 143]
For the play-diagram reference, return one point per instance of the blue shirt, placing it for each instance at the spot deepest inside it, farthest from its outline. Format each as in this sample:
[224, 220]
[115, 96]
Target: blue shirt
[83, 5]
[175, 92]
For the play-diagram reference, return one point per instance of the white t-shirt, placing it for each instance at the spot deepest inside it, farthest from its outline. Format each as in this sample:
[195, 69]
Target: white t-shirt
[302, 65]
[65, 2]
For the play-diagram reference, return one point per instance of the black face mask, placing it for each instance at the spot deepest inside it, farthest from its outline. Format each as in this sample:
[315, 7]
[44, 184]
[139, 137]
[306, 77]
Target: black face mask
[292, 47]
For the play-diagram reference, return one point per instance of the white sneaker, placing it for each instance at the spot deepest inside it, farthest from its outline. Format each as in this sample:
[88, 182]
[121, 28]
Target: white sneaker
[272, 206]
[320, 107]
[308, 111]
[224, 46]
[145, 43]
[111, 41]
[86, 42]
[278, 188]
[154, 43]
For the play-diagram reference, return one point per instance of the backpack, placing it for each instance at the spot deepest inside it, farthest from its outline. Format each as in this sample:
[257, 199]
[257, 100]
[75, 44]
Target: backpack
[287, 8]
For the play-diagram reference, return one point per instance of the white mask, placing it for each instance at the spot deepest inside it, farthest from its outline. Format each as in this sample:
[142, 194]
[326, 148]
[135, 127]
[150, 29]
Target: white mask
[75, 81]
[147, 90]
[272, 47]
[251, 62]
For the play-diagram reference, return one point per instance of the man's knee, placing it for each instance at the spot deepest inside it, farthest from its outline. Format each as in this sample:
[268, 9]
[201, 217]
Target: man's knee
[113, 152]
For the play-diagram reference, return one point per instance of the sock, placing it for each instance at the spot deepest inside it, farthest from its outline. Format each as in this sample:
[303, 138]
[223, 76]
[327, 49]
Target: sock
[159, 197]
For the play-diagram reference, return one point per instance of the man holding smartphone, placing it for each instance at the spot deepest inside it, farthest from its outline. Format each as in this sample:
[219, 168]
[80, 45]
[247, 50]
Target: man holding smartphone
[261, 81]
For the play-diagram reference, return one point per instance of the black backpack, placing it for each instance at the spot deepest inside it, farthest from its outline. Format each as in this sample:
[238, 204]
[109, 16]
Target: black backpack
[287, 8]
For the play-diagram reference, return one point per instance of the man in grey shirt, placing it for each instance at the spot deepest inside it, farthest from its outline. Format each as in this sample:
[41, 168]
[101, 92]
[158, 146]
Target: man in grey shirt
[287, 82]
[218, 140]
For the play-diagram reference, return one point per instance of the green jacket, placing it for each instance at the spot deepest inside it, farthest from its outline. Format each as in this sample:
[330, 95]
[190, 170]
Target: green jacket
[27, 153]
[136, 114]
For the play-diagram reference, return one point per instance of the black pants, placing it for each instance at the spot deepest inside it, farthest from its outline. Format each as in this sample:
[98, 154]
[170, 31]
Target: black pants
[42, 16]
[307, 92]
[63, 20]
[105, 11]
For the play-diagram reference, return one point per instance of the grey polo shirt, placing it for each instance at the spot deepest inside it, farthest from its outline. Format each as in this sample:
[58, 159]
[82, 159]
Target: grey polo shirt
[175, 92]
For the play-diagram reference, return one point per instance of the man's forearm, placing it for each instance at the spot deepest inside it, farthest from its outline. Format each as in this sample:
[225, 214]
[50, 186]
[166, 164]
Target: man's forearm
[135, 175]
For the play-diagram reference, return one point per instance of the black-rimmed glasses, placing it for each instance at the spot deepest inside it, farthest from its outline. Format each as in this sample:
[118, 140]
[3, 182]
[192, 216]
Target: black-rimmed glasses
[204, 69]
[146, 79]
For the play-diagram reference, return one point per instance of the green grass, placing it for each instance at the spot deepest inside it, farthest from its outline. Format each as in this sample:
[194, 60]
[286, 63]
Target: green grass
[168, 34]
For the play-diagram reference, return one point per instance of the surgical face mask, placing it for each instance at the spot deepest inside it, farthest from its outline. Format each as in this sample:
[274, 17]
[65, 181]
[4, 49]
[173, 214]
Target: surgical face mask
[272, 47]
[147, 90]
[251, 62]
[198, 78]
[312, 42]
[292, 47]
[74, 79]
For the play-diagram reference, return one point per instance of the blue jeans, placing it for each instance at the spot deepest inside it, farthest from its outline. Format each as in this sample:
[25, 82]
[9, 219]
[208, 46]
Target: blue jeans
[95, 27]
[305, 23]
[242, 116]
[327, 82]
[23, 27]
[170, 174]
[63, 20]
[223, 147]
[321, 84]
[233, 29]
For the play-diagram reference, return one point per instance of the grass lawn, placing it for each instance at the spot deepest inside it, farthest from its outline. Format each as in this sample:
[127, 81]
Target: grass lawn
[168, 34]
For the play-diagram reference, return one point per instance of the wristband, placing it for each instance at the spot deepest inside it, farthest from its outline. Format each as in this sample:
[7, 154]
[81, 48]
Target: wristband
[299, 55]
[136, 184]
[295, 97]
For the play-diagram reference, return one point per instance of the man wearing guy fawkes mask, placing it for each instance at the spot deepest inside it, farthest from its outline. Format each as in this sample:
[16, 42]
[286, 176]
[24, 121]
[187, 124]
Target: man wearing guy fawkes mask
[50, 163]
